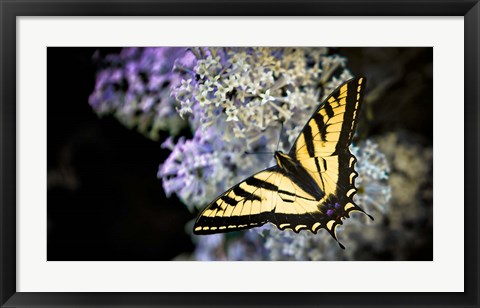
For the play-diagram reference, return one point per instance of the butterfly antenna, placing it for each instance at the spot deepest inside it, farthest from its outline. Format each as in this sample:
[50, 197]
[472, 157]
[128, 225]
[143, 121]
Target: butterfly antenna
[278, 143]
[255, 153]
[280, 135]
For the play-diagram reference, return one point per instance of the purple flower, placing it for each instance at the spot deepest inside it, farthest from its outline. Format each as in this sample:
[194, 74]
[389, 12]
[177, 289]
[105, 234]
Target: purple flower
[135, 87]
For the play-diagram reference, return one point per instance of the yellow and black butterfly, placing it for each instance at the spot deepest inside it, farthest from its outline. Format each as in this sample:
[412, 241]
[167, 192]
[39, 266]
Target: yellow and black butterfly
[311, 187]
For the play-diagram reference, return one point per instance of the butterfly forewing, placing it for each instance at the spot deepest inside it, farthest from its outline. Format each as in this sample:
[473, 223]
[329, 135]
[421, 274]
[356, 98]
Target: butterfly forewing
[246, 205]
[330, 129]
[268, 196]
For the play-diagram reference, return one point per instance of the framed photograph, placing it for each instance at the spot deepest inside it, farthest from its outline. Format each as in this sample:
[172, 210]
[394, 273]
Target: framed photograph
[164, 154]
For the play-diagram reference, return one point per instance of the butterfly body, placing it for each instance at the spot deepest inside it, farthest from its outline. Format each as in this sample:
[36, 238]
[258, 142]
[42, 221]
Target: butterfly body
[293, 169]
[310, 188]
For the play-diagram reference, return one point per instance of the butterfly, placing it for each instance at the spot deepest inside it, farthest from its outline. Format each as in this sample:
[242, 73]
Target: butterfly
[310, 188]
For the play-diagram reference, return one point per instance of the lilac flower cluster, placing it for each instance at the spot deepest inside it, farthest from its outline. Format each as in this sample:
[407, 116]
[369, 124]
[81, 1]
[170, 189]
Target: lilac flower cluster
[135, 86]
[189, 168]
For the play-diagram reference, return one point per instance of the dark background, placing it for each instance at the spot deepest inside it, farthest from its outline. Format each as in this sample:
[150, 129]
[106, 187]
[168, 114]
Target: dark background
[116, 208]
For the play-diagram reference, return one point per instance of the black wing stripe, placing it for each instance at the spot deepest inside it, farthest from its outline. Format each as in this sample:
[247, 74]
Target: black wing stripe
[261, 184]
[294, 195]
[317, 164]
[245, 194]
[287, 193]
[309, 140]
[321, 128]
[329, 109]
[228, 200]
[319, 122]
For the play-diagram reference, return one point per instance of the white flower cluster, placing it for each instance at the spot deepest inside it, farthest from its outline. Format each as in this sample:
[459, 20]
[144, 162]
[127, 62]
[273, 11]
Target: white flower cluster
[253, 88]
[373, 180]
[236, 100]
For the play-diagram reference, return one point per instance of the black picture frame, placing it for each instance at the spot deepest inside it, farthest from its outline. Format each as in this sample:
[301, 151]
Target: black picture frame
[470, 10]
